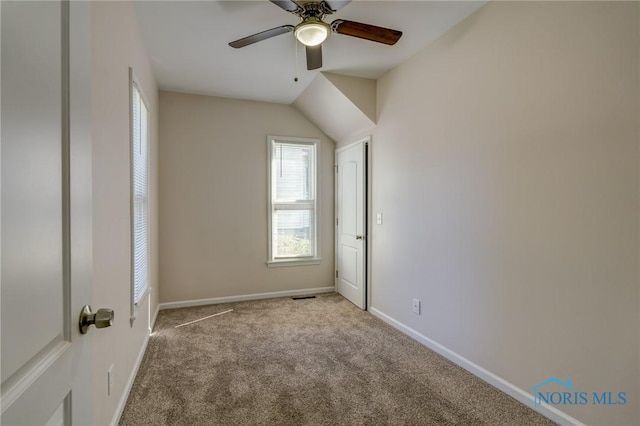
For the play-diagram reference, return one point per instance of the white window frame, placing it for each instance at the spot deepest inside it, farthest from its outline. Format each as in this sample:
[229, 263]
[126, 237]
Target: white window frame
[138, 299]
[272, 204]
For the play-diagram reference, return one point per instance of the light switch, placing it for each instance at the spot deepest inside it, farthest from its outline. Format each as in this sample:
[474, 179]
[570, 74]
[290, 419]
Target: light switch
[379, 218]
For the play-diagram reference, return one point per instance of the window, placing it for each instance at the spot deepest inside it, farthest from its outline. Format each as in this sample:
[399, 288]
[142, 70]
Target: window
[293, 202]
[139, 196]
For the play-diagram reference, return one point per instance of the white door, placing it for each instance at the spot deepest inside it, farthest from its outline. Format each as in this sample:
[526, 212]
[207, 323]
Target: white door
[45, 212]
[351, 224]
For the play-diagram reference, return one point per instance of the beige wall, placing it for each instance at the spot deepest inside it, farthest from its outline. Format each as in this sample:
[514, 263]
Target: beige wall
[505, 162]
[344, 107]
[116, 45]
[339, 109]
[213, 198]
[360, 91]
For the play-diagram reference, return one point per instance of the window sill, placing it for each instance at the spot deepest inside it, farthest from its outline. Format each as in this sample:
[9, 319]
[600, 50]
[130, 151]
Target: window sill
[294, 262]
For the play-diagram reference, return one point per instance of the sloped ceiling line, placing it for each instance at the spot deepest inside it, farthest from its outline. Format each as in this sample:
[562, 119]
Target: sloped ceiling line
[341, 106]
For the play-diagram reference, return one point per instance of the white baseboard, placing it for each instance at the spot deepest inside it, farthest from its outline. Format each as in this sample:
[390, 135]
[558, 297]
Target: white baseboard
[242, 298]
[134, 372]
[127, 388]
[154, 318]
[510, 389]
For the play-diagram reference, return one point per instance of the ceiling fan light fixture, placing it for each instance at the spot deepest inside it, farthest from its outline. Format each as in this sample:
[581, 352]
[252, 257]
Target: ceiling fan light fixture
[311, 32]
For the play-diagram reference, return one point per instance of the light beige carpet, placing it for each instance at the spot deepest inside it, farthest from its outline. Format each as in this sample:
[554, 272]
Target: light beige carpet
[317, 361]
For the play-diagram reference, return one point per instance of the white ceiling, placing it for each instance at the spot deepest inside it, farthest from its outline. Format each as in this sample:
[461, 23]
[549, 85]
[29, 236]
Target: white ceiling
[187, 44]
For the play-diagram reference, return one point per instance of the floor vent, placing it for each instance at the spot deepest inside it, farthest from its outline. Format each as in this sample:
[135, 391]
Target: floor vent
[303, 297]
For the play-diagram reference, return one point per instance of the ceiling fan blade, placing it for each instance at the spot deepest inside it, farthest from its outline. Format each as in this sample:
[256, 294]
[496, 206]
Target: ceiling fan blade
[366, 31]
[288, 5]
[261, 36]
[336, 5]
[314, 57]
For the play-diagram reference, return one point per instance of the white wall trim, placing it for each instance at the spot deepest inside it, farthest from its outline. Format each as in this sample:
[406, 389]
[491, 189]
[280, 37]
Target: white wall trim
[242, 298]
[134, 372]
[510, 389]
[365, 139]
[154, 318]
[294, 262]
[129, 385]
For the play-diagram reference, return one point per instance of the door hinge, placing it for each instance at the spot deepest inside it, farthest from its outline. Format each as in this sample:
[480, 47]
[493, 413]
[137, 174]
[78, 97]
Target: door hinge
[336, 273]
[336, 221]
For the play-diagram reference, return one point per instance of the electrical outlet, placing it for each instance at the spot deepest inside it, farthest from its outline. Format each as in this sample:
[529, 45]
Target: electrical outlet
[416, 306]
[379, 218]
[109, 380]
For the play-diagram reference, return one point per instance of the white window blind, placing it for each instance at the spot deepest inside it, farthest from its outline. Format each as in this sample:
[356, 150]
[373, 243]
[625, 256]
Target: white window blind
[293, 200]
[139, 196]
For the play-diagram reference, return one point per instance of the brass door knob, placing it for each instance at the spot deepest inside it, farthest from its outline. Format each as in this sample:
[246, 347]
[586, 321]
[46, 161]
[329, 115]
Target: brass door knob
[101, 319]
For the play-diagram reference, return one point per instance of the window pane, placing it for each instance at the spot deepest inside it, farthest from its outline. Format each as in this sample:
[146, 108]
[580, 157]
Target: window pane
[293, 172]
[140, 189]
[292, 233]
[140, 247]
[292, 216]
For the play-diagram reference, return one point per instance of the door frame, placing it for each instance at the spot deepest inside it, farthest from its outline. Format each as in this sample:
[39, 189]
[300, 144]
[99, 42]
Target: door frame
[367, 142]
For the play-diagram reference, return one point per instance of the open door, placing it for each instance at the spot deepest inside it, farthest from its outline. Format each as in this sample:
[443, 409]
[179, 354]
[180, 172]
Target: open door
[45, 212]
[351, 223]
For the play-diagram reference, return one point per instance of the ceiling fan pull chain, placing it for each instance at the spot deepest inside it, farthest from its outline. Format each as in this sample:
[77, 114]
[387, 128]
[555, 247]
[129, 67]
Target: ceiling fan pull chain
[295, 66]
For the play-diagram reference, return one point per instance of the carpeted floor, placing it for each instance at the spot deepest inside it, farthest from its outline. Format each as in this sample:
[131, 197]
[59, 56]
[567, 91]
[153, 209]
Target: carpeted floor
[315, 361]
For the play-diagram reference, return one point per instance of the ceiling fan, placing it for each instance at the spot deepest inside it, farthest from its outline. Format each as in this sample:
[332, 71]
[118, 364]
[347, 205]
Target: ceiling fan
[312, 31]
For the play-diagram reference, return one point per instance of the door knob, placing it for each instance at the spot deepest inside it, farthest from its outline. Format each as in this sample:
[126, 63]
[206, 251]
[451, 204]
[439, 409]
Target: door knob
[101, 319]
[359, 237]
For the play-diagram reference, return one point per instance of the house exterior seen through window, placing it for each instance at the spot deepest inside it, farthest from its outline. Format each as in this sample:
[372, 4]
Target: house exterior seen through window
[293, 202]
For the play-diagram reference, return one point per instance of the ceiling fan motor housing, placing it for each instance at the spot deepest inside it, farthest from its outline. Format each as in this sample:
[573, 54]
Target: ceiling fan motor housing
[315, 10]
